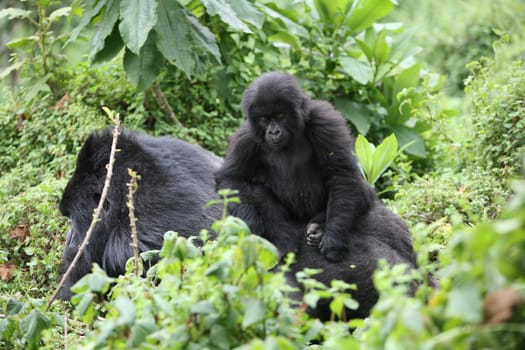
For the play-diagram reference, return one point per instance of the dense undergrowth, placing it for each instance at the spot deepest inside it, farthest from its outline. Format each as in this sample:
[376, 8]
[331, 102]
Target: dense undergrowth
[460, 190]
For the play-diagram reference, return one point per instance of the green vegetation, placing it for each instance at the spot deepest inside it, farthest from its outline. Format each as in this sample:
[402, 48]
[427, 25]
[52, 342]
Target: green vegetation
[445, 78]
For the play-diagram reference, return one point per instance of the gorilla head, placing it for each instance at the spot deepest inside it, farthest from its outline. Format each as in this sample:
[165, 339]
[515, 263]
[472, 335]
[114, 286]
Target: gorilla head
[274, 106]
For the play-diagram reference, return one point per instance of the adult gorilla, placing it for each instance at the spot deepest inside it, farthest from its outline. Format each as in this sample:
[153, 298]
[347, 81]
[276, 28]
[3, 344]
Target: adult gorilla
[293, 164]
[176, 183]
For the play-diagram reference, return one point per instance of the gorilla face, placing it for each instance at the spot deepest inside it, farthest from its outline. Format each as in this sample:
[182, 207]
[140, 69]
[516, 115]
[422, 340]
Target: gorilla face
[273, 106]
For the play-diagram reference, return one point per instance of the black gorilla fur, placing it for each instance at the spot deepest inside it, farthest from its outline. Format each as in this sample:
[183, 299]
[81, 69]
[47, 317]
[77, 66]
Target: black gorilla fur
[293, 164]
[176, 183]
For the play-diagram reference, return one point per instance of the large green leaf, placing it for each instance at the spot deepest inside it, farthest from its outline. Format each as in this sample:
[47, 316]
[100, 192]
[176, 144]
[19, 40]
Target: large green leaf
[367, 12]
[406, 135]
[104, 29]
[204, 38]
[144, 68]
[223, 9]
[357, 113]
[174, 31]
[137, 17]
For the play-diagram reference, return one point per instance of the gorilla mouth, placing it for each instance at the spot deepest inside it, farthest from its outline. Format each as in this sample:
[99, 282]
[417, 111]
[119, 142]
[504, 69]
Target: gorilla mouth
[276, 143]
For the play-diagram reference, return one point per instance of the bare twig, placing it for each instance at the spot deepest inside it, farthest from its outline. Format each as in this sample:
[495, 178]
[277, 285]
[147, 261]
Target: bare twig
[132, 186]
[165, 106]
[98, 209]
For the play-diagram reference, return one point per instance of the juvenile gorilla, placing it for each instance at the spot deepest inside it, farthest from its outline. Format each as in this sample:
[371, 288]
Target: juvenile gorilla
[176, 183]
[293, 164]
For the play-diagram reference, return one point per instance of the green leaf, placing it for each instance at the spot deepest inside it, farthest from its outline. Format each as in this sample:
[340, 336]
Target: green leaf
[227, 13]
[248, 13]
[127, 311]
[205, 307]
[33, 325]
[84, 21]
[249, 251]
[367, 50]
[142, 70]
[406, 135]
[364, 152]
[407, 79]
[367, 12]
[174, 33]
[61, 12]
[381, 49]
[137, 17]
[357, 113]
[12, 13]
[286, 38]
[141, 330]
[333, 12]
[255, 311]
[465, 302]
[204, 38]
[13, 307]
[359, 70]
[384, 155]
[105, 28]
[27, 41]
[293, 27]
[113, 44]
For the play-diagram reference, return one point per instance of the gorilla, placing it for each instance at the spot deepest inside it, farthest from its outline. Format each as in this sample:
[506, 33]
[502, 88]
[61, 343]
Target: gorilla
[292, 161]
[301, 188]
[176, 183]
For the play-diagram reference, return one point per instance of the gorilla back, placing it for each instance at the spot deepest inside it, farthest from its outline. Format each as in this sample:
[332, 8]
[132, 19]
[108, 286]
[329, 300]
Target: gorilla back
[176, 183]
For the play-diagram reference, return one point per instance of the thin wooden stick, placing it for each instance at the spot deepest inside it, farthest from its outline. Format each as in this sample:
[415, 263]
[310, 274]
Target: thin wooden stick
[98, 209]
[132, 186]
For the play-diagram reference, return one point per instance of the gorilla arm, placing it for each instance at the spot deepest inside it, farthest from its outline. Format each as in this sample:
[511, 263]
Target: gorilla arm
[349, 195]
[259, 208]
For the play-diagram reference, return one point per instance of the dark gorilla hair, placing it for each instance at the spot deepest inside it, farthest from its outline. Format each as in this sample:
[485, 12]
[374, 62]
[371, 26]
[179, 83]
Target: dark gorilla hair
[176, 183]
[293, 163]
[300, 187]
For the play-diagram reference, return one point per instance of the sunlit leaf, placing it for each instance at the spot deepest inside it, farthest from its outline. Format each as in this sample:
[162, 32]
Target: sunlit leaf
[367, 12]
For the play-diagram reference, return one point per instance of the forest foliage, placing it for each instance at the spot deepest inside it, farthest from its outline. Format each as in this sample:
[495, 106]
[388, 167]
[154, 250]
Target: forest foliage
[446, 118]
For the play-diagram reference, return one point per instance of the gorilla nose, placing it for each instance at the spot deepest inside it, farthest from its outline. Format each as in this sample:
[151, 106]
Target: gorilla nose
[275, 132]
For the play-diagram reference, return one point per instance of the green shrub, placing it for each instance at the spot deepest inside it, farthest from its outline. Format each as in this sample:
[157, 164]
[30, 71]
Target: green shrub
[498, 94]
[470, 196]
[480, 300]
